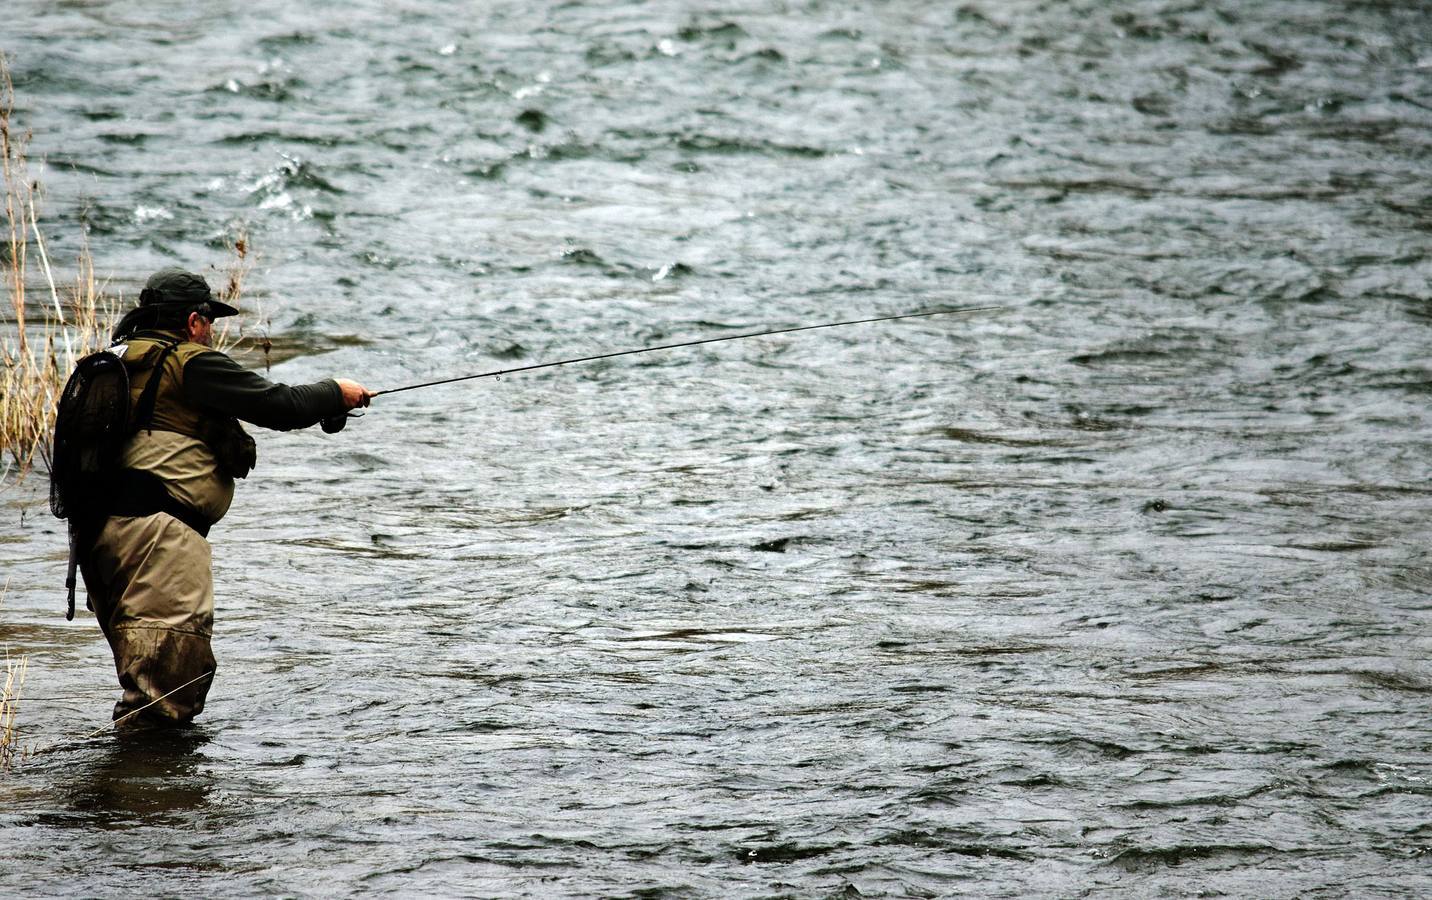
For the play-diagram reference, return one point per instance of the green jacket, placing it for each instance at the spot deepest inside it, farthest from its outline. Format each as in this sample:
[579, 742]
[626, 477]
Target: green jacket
[193, 442]
[201, 382]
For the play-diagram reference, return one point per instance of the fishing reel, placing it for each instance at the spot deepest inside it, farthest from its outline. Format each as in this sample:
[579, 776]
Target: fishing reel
[334, 424]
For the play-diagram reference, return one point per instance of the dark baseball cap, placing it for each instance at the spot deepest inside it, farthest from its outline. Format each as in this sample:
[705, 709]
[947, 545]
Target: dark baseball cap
[176, 288]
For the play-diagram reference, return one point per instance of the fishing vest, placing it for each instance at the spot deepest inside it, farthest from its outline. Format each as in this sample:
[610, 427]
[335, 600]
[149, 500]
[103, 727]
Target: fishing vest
[146, 358]
[171, 411]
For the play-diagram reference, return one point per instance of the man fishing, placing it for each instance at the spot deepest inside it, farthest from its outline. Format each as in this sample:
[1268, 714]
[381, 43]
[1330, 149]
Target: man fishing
[146, 557]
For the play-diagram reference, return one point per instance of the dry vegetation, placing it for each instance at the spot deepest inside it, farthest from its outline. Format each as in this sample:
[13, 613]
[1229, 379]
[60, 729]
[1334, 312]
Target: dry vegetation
[10, 751]
[239, 340]
[48, 335]
[51, 328]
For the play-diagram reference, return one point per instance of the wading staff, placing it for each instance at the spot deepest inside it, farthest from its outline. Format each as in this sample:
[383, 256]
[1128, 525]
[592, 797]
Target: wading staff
[336, 423]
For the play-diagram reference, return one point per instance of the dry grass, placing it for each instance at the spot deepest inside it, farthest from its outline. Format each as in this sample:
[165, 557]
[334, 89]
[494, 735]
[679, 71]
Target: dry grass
[10, 751]
[47, 337]
[242, 339]
[49, 334]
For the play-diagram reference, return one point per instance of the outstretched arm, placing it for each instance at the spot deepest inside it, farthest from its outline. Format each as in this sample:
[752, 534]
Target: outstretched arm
[215, 381]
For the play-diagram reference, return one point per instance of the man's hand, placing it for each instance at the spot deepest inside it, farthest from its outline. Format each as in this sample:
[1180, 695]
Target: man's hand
[354, 394]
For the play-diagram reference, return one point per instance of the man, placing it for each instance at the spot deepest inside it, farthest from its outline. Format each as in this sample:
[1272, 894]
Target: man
[147, 569]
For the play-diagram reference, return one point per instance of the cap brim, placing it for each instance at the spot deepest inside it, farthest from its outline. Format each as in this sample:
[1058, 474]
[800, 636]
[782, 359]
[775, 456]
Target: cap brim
[220, 310]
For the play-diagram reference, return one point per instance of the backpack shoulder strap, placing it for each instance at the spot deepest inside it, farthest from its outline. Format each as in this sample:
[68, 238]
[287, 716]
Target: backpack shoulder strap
[144, 410]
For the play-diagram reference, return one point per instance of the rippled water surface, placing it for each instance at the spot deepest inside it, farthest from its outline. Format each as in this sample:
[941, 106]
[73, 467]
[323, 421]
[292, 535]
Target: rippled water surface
[1120, 589]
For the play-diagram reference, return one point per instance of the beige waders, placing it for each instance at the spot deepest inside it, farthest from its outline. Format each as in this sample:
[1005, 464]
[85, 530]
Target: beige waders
[149, 582]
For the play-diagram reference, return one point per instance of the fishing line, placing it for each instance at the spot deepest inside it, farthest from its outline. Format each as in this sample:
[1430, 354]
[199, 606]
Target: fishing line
[101, 730]
[964, 310]
[135, 712]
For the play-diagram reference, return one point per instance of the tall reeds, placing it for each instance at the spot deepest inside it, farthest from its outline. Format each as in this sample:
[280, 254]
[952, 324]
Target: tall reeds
[10, 751]
[46, 336]
[228, 338]
[43, 340]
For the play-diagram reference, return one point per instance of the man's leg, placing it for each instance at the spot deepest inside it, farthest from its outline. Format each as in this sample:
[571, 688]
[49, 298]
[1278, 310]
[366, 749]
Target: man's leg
[151, 586]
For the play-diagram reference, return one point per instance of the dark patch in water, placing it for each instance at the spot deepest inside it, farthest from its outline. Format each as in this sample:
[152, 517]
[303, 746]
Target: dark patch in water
[945, 840]
[1394, 681]
[722, 33]
[533, 120]
[1146, 861]
[784, 853]
[706, 143]
[775, 546]
[969, 436]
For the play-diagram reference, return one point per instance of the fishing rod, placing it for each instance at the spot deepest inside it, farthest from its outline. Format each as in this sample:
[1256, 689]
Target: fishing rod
[337, 422]
[730, 337]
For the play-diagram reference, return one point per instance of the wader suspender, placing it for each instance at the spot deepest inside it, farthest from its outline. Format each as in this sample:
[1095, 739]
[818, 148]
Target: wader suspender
[142, 493]
[144, 412]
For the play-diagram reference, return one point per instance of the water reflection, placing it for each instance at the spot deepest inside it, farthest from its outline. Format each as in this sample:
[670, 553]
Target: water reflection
[147, 775]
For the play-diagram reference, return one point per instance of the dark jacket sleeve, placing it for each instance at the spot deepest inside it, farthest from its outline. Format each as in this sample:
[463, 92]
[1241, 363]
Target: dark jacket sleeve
[214, 381]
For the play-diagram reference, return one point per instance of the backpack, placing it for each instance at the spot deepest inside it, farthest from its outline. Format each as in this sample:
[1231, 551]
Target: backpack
[91, 426]
[92, 422]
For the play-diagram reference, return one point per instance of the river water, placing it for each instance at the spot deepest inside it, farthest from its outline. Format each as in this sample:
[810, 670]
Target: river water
[1120, 589]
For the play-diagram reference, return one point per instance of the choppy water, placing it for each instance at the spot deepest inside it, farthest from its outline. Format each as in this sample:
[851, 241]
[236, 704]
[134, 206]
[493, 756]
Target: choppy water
[1122, 590]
